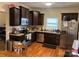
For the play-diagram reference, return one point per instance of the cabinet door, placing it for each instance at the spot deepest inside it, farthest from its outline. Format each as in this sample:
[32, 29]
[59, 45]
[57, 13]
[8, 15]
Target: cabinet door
[27, 13]
[11, 16]
[69, 16]
[30, 18]
[14, 16]
[51, 39]
[35, 17]
[17, 17]
[33, 37]
[24, 12]
[41, 19]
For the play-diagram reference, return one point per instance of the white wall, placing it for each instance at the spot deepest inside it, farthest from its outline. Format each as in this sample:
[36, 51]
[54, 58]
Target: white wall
[2, 19]
[57, 12]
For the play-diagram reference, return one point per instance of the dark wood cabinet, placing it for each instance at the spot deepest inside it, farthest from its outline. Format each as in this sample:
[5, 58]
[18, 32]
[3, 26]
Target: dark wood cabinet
[14, 16]
[53, 39]
[41, 19]
[33, 37]
[17, 38]
[34, 17]
[30, 17]
[24, 12]
[69, 16]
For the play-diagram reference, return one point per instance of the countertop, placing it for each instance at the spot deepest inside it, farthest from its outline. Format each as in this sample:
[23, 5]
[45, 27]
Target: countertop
[20, 34]
[46, 32]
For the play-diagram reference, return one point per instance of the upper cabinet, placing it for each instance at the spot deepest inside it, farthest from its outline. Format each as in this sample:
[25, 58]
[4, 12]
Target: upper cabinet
[41, 19]
[24, 16]
[30, 17]
[69, 16]
[24, 12]
[36, 18]
[14, 16]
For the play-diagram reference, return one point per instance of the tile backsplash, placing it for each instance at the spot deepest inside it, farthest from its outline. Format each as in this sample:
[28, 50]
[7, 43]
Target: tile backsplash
[35, 28]
[17, 27]
[30, 27]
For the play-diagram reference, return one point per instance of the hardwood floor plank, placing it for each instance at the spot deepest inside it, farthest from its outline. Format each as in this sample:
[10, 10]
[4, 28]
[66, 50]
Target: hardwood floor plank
[35, 50]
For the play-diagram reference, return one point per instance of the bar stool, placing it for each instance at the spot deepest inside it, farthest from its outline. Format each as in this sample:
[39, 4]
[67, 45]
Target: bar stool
[18, 47]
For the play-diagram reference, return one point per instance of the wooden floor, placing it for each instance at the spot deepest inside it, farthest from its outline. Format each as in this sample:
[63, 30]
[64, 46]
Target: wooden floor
[35, 50]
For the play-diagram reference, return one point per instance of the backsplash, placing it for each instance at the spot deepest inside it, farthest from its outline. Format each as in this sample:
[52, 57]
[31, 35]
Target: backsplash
[30, 28]
[17, 27]
[36, 28]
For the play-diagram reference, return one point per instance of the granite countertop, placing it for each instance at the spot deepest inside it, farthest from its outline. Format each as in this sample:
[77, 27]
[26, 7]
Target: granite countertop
[18, 34]
[46, 32]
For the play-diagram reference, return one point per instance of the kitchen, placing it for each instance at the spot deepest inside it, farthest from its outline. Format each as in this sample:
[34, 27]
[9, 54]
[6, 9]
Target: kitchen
[28, 26]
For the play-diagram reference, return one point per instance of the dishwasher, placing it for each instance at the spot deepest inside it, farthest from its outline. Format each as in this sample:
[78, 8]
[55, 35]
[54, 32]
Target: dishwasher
[40, 37]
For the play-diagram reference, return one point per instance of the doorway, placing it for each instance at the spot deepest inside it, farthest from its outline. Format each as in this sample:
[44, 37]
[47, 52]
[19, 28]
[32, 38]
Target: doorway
[2, 31]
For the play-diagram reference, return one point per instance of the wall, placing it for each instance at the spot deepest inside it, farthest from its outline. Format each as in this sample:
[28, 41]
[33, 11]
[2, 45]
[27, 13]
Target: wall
[2, 19]
[57, 12]
[5, 16]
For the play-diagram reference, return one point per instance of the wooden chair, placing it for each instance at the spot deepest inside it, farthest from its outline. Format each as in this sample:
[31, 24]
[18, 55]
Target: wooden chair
[19, 47]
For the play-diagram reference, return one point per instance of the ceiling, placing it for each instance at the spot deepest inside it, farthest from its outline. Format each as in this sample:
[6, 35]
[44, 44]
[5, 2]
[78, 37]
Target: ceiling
[54, 4]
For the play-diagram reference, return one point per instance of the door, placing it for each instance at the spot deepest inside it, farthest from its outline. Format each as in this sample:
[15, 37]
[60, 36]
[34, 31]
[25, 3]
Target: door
[70, 25]
[14, 17]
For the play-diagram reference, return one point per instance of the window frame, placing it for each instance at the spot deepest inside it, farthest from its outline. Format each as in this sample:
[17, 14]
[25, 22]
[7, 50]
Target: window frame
[52, 27]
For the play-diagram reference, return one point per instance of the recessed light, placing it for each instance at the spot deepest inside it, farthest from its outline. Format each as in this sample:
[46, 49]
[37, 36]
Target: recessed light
[48, 4]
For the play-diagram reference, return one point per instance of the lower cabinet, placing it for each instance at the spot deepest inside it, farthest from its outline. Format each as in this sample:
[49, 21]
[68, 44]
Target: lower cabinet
[52, 39]
[33, 37]
[46, 38]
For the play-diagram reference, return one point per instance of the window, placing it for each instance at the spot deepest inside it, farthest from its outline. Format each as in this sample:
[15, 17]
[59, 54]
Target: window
[52, 23]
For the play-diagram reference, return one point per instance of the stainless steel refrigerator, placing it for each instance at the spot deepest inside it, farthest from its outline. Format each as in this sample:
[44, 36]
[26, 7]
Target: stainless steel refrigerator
[70, 26]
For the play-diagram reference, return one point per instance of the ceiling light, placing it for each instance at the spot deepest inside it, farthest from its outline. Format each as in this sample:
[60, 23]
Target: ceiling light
[48, 4]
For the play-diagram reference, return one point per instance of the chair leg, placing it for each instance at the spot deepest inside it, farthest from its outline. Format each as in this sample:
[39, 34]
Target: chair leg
[18, 50]
[21, 50]
[15, 49]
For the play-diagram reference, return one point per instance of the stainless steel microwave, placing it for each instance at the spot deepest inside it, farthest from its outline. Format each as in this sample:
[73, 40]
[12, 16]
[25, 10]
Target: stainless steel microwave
[24, 21]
